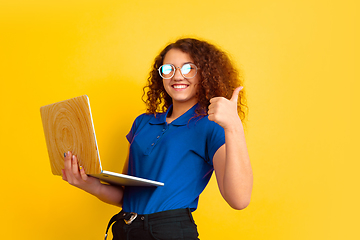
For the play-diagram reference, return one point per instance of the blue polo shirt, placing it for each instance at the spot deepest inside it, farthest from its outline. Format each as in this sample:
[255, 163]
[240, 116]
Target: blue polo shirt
[178, 154]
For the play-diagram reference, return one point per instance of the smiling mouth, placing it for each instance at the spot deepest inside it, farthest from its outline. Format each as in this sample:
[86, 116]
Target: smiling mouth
[179, 86]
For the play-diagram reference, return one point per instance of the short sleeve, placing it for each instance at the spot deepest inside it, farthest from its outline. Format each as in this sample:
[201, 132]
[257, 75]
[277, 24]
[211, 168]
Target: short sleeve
[134, 128]
[215, 139]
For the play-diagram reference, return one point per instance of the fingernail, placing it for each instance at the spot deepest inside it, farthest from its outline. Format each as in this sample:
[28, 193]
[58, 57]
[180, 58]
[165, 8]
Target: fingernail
[68, 152]
[241, 88]
[73, 156]
[81, 167]
[64, 154]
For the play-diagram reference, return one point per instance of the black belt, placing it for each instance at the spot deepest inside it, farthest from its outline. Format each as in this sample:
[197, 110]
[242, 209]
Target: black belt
[130, 217]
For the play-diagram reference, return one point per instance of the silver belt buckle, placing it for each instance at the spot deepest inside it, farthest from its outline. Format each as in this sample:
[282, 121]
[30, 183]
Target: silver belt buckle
[132, 218]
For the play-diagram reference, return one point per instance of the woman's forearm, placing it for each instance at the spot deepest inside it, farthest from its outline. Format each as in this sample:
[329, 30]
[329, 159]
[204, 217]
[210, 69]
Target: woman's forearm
[110, 194]
[237, 177]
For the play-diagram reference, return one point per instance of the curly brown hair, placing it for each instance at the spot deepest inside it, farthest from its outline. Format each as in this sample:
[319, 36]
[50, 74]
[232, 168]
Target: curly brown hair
[218, 77]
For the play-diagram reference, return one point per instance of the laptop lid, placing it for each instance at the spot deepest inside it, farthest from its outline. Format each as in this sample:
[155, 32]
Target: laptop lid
[68, 126]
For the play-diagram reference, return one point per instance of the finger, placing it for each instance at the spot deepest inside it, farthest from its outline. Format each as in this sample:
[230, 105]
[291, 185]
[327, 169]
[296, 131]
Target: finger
[210, 117]
[74, 165]
[215, 99]
[83, 174]
[66, 159]
[211, 108]
[67, 167]
[63, 175]
[235, 95]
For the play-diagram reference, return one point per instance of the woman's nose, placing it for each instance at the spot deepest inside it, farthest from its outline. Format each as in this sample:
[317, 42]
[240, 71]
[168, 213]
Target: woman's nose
[177, 74]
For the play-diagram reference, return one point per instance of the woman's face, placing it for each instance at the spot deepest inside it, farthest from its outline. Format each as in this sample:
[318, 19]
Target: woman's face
[179, 88]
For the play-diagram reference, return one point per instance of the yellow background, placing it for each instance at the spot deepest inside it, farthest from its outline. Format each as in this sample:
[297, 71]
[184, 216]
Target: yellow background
[299, 60]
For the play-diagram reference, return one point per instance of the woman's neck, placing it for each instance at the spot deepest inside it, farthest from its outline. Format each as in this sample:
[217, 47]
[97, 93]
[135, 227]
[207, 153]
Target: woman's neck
[179, 109]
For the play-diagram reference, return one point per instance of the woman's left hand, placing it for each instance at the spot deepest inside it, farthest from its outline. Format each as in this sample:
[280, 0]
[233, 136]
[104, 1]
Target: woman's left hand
[224, 112]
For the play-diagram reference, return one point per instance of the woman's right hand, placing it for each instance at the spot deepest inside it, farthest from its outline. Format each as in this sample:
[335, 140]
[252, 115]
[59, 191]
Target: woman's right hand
[76, 176]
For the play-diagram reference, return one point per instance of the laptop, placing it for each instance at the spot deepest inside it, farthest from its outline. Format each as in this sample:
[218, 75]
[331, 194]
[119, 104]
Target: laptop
[68, 126]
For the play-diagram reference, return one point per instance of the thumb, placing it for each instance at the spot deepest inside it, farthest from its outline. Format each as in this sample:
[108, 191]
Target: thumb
[235, 95]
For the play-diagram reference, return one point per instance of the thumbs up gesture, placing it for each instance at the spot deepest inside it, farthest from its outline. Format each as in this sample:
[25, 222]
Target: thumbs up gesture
[224, 111]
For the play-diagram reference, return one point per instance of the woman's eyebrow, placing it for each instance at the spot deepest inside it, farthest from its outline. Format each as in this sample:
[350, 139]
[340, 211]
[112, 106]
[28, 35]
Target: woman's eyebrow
[181, 65]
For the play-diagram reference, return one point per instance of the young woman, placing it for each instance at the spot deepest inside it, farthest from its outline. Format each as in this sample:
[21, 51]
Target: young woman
[192, 127]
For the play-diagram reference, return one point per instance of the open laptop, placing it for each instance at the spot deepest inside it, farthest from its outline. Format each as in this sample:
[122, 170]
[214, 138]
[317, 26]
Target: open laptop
[68, 126]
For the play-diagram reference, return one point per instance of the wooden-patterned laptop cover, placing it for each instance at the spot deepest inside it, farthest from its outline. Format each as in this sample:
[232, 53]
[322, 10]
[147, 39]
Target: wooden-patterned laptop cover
[68, 126]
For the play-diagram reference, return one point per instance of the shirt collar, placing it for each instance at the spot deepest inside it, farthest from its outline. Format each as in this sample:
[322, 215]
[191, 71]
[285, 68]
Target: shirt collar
[180, 121]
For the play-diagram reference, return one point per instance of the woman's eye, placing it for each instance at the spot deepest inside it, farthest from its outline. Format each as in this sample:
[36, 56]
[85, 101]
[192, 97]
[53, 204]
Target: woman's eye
[166, 69]
[186, 68]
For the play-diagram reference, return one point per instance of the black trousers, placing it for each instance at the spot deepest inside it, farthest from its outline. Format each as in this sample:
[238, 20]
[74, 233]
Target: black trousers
[172, 224]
